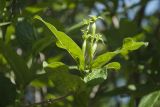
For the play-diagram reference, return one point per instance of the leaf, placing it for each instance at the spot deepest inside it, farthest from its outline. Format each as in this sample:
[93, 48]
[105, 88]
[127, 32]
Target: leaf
[67, 43]
[64, 81]
[25, 34]
[150, 99]
[9, 33]
[95, 77]
[33, 9]
[4, 23]
[53, 65]
[55, 58]
[41, 44]
[17, 64]
[113, 65]
[50, 68]
[104, 58]
[75, 27]
[129, 44]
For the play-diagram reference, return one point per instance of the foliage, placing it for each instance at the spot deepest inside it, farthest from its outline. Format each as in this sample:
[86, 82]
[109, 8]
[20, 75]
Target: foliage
[91, 73]
[53, 49]
[150, 100]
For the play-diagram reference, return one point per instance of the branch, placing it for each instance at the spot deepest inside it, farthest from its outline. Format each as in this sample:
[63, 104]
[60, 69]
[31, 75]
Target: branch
[49, 101]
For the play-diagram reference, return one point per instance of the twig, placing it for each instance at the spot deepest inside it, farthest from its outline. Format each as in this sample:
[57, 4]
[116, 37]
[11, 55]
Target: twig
[49, 101]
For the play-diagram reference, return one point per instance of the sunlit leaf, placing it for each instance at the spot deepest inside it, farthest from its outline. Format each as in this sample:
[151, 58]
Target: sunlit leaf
[129, 44]
[113, 65]
[75, 27]
[104, 58]
[96, 76]
[4, 23]
[55, 58]
[9, 33]
[53, 65]
[67, 43]
[150, 99]
[33, 9]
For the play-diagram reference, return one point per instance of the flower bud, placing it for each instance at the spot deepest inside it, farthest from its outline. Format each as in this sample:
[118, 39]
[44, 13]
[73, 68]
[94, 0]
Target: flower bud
[94, 48]
[84, 47]
[93, 29]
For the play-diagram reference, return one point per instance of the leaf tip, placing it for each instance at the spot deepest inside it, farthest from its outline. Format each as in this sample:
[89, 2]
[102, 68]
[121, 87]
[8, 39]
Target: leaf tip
[146, 44]
[45, 64]
[37, 17]
[113, 65]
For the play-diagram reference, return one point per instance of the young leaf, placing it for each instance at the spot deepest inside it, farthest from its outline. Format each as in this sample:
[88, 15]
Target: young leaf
[9, 32]
[113, 65]
[104, 58]
[67, 43]
[150, 99]
[53, 65]
[129, 44]
[96, 77]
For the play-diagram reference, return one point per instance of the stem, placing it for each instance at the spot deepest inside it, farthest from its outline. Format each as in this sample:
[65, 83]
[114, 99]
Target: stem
[74, 27]
[90, 55]
[49, 101]
[91, 45]
[93, 29]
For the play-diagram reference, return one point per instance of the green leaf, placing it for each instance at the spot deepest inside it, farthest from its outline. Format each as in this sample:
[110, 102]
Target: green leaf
[66, 82]
[9, 33]
[41, 44]
[25, 34]
[104, 58]
[67, 43]
[63, 80]
[150, 99]
[113, 65]
[33, 9]
[17, 64]
[75, 27]
[129, 44]
[96, 77]
[55, 58]
[4, 23]
[53, 65]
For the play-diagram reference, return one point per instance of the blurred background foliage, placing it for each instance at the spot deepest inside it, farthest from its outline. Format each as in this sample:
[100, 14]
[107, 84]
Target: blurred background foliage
[25, 43]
